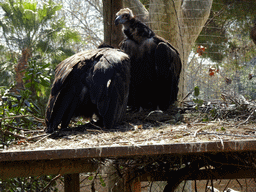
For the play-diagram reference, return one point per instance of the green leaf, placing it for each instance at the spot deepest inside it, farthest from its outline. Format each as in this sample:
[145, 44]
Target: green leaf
[200, 102]
[103, 184]
[196, 91]
[90, 178]
[44, 82]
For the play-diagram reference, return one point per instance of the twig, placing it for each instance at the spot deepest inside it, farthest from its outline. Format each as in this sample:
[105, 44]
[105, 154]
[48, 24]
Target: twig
[206, 186]
[20, 116]
[189, 93]
[195, 134]
[50, 183]
[227, 185]
[246, 119]
[239, 184]
[220, 141]
[195, 185]
[45, 136]
[9, 126]
[156, 111]
[7, 133]
[93, 181]
[35, 137]
[14, 117]
[185, 182]
[33, 131]
[95, 130]
[225, 134]
[39, 119]
[97, 127]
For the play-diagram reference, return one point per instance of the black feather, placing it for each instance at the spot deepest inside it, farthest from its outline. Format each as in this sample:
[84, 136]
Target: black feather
[87, 83]
[155, 65]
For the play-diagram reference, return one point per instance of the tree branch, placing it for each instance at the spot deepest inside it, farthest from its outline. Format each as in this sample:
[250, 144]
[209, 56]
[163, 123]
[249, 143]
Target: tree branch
[138, 9]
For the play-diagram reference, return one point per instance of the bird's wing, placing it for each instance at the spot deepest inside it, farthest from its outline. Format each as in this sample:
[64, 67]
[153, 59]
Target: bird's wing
[110, 86]
[168, 68]
[63, 90]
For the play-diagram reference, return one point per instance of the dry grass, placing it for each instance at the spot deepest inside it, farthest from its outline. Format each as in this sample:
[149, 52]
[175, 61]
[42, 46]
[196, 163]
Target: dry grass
[144, 128]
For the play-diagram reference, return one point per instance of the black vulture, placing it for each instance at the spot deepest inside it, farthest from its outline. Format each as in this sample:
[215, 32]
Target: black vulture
[155, 64]
[90, 82]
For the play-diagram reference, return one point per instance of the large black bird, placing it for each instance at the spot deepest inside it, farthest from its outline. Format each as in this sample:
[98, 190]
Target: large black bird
[90, 82]
[155, 64]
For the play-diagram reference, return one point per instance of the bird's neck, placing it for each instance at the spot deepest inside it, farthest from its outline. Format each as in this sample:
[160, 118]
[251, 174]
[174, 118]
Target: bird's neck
[137, 31]
[128, 25]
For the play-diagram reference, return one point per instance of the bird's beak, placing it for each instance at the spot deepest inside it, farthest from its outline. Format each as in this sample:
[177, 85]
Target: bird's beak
[117, 20]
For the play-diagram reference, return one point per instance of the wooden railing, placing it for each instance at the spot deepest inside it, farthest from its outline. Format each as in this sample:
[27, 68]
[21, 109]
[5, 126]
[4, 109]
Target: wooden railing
[71, 162]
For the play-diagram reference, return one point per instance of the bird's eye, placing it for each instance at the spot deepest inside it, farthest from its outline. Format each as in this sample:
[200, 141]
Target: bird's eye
[125, 15]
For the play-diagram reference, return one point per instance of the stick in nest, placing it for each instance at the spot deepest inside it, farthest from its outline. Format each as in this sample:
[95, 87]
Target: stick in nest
[45, 136]
[50, 183]
[195, 134]
[246, 119]
[156, 111]
[97, 127]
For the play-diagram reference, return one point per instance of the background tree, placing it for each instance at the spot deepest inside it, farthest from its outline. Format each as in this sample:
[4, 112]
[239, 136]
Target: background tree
[226, 36]
[28, 26]
[227, 28]
[86, 16]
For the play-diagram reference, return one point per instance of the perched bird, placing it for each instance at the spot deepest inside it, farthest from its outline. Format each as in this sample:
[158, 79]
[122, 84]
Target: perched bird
[155, 64]
[90, 82]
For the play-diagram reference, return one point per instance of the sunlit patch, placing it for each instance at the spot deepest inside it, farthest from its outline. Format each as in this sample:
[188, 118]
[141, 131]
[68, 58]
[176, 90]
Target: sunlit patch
[108, 83]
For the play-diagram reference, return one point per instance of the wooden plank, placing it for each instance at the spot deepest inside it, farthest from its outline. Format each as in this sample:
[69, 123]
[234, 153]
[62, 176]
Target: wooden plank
[14, 169]
[72, 183]
[130, 151]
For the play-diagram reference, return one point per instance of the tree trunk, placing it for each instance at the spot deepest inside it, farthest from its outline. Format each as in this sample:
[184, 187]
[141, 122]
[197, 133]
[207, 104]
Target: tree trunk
[180, 22]
[112, 34]
[138, 9]
[20, 70]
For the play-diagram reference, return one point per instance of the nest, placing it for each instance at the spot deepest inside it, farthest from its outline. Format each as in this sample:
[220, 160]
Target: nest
[232, 118]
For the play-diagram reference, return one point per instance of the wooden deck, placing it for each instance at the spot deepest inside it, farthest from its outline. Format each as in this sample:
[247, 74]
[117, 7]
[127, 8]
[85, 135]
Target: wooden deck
[68, 161]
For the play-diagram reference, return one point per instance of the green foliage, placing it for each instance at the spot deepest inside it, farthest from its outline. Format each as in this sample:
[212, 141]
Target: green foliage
[102, 182]
[29, 24]
[206, 118]
[196, 91]
[37, 82]
[24, 21]
[228, 21]
[7, 60]
[28, 184]
[22, 113]
[36, 77]
[17, 111]
[145, 3]
[221, 129]
[198, 101]
[213, 112]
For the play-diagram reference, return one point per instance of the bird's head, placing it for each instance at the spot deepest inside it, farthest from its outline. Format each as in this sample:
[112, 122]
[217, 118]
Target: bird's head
[123, 16]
